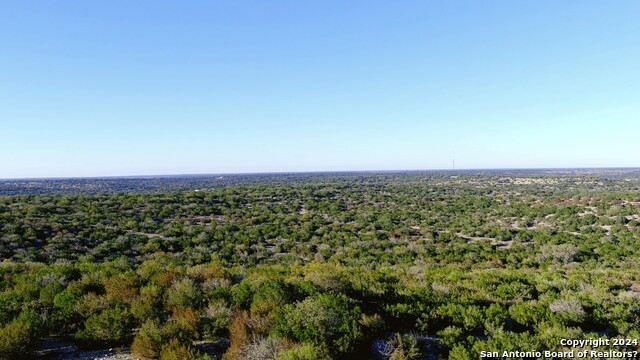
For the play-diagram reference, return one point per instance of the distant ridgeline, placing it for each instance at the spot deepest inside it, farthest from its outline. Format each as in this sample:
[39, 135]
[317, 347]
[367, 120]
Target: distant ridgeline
[178, 183]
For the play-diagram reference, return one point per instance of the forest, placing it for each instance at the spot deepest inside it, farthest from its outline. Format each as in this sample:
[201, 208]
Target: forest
[396, 265]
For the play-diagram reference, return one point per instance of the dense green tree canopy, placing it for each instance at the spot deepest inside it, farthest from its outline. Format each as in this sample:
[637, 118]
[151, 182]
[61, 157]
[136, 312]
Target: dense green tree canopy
[393, 265]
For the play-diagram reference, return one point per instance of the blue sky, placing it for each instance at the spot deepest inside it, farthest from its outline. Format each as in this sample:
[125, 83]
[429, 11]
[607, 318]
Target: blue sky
[102, 88]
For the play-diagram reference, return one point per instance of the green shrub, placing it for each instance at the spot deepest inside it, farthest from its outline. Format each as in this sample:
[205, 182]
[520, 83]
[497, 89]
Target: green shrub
[183, 324]
[331, 320]
[123, 287]
[91, 304]
[527, 313]
[15, 340]
[459, 352]
[269, 296]
[303, 352]
[450, 336]
[10, 306]
[49, 292]
[64, 316]
[174, 350]
[183, 293]
[216, 319]
[111, 326]
[242, 294]
[149, 304]
[148, 341]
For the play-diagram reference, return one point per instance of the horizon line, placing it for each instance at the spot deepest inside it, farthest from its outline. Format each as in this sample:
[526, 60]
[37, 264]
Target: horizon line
[141, 176]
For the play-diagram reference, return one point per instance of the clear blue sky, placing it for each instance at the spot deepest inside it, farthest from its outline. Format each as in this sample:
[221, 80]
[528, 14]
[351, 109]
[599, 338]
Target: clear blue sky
[92, 88]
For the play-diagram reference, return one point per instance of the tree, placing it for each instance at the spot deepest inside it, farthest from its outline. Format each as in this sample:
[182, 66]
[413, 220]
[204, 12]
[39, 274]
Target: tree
[329, 320]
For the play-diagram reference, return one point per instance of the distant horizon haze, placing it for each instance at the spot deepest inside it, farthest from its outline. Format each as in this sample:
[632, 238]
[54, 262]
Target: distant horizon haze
[120, 88]
[375, 171]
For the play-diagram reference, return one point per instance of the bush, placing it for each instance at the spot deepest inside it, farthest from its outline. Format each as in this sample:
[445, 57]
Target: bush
[372, 325]
[10, 306]
[563, 253]
[242, 294]
[15, 340]
[186, 321]
[34, 317]
[112, 326]
[401, 347]
[262, 348]
[330, 320]
[183, 293]
[527, 313]
[49, 292]
[122, 287]
[64, 314]
[269, 296]
[303, 352]
[148, 341]
[328, 277]
[91, 304]
[238, 335]
[216, 318]
[174, 350]
[450, 335]
[569, 310]
[459, 352]
[149, 304]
